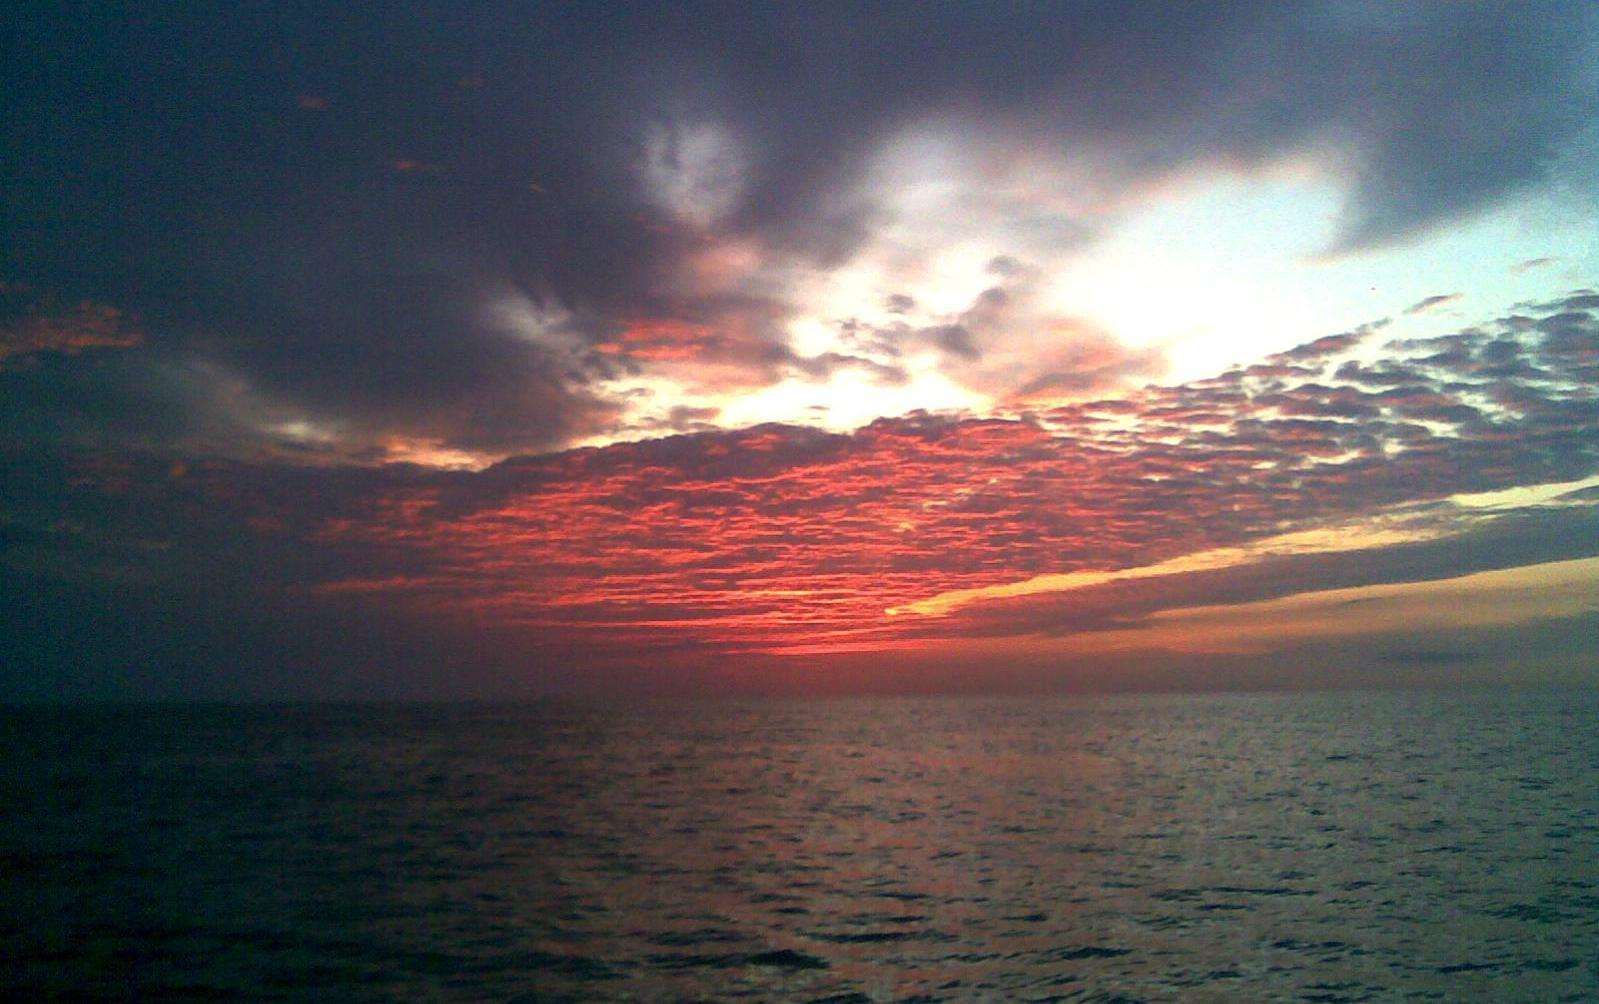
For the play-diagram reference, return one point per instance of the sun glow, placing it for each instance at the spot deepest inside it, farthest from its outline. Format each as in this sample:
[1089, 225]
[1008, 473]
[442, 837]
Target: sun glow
[849, 399]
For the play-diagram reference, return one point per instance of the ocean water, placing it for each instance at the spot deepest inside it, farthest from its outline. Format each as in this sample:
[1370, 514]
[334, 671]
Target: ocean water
[1321, 847]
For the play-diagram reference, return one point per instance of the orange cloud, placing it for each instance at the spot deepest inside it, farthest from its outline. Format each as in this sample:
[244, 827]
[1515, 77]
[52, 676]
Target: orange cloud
[43, 323]
[786, 539]
[658, 340]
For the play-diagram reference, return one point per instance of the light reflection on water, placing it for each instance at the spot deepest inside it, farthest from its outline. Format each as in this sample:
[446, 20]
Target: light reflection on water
[1317, 847]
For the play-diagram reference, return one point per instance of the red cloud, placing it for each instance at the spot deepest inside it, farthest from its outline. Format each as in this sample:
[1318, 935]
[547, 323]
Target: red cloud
[780, 538]
[797, 540]
[662, 340]
[31, 322]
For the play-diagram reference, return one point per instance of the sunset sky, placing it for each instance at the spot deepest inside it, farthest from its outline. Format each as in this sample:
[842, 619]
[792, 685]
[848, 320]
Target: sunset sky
[504, 349]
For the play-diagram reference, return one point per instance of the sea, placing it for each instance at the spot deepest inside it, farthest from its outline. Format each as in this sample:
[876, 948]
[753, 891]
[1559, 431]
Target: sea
[1345, 846]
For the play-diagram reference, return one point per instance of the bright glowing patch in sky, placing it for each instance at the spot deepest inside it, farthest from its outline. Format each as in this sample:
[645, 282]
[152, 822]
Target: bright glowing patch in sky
[984, 278]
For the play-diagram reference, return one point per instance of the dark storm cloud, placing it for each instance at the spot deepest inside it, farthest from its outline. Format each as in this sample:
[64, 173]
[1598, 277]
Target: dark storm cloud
[315, 200]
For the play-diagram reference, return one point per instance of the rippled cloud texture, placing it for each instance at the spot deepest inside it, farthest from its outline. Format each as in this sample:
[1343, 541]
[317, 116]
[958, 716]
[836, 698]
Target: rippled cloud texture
[1343, 463]
[476, 349]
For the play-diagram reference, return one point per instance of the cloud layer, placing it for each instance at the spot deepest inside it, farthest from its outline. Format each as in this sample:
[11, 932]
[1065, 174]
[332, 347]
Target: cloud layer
[322, 219]
[539, 338]
[785, 539]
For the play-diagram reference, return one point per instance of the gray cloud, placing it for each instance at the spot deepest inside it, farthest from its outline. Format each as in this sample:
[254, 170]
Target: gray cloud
[1428, 303]
[332, 253]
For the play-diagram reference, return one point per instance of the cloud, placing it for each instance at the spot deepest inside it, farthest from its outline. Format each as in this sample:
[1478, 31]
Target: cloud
[1008, 345]
[1417, 544]
[1327, 540]
[1433, 153]
[1424, 305]
[1081, 361]
[955, 339]
[32, 322]
[338, 262]
[694, 171]
[742, 538]
[1258, 484]
[1500, 598]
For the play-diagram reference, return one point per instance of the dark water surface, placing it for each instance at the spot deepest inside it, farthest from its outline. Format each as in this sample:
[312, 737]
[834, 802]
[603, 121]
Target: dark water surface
[1329, 847]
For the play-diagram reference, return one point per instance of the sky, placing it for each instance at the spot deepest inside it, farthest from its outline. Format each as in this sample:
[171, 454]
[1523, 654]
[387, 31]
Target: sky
[473, 350]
